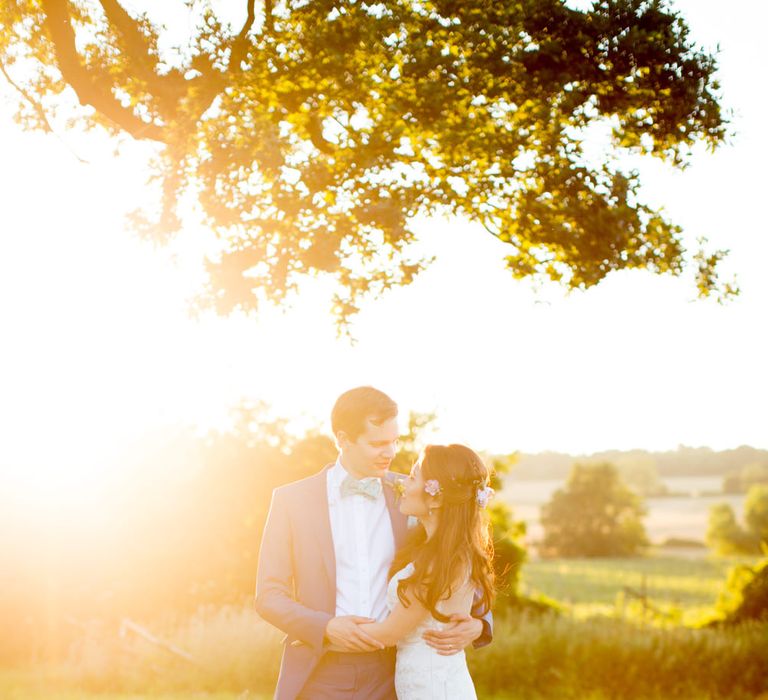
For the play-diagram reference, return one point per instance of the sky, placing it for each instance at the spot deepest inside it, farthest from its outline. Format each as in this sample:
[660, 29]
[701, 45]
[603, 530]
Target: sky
[99, 354]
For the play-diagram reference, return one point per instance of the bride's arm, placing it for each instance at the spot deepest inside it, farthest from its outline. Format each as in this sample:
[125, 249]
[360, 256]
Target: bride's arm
[398, 624]
[404, 620]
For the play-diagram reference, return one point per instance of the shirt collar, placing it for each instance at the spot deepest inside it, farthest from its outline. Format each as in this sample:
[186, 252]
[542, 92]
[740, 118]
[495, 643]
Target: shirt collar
[336, 474]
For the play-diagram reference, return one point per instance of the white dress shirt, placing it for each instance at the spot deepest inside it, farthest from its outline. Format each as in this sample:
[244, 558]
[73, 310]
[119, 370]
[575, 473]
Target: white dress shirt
[364, 546]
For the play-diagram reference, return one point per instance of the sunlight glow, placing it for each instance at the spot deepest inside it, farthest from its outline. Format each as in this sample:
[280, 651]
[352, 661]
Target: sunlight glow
[99, 350]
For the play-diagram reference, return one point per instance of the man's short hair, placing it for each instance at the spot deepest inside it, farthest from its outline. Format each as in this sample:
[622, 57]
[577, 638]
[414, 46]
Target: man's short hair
[357, 406]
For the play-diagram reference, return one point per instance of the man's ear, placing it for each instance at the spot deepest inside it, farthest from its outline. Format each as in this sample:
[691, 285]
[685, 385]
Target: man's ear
[342, 439]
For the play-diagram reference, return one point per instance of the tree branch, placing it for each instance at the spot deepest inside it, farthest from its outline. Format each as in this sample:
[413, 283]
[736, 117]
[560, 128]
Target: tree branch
[39, 110]
[240, 44]
[92, 87]
[268, 21]
[166, 89]
[315, 131]
[211, 83]
[42, 116]
[488, 228]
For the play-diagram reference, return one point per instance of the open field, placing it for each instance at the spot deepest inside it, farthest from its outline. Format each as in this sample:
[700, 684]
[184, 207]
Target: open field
[38, 684]
[22, 690]
[532, 658]
[683, 515]
[620, 653]
[584, 586]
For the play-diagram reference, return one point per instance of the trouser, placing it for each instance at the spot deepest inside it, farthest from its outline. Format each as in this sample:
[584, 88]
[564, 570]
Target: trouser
[363, 676]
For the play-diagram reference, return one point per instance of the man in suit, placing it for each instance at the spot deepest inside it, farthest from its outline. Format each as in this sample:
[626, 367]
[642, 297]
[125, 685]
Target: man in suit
[323, 566]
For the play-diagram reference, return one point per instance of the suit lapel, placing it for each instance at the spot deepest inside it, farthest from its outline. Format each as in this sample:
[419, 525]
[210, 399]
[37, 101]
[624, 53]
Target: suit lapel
[324, 532]
[399, 521]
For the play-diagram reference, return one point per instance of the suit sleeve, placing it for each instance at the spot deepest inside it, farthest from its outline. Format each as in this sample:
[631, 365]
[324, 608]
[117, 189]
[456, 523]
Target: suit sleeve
[486, 617]
[275, 600]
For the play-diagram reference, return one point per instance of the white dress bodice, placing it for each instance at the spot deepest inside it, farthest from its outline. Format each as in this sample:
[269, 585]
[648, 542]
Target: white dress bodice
[420, 672]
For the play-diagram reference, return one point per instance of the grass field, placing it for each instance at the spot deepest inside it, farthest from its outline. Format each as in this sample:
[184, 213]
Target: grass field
[623, 653]
[689, 586]
[32, 685]
[28, 684]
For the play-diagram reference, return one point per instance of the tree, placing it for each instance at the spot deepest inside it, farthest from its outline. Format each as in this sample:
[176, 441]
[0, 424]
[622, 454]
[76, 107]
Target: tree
[756, 513]
[726, 536]
[508, 541]
[595, 515]
[412, 441]
[311, 133]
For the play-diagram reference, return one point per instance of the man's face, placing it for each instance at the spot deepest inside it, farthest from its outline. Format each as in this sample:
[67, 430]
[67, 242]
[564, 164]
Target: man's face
[373, 450]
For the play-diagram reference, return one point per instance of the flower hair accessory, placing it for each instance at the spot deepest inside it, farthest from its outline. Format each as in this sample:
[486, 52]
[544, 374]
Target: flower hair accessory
[484, 495]
[432, 487]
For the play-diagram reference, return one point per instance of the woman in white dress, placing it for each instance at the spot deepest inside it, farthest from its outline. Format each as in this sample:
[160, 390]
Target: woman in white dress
[445, 564]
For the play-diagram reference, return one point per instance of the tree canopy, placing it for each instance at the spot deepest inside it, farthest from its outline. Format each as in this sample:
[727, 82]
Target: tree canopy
[727, 536]
[312, 133]
[595, 515]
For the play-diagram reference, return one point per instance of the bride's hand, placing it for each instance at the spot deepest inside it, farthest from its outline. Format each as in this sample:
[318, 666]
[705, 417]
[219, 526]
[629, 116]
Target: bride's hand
[345, 634]
[460, 633]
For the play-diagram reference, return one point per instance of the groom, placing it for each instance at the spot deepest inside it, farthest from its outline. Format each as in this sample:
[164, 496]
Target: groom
[325, 554]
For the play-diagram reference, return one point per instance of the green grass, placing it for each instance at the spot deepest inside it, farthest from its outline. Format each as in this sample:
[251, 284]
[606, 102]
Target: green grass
[607, 659]
[615, 655]
[585, 586]
[38, 684]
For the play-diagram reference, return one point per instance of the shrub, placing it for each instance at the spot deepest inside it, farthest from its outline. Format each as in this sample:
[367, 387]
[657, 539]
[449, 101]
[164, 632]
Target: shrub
[558, 657]
[745, 596]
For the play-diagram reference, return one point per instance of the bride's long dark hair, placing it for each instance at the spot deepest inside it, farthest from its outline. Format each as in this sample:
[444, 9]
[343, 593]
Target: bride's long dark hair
[461, 545]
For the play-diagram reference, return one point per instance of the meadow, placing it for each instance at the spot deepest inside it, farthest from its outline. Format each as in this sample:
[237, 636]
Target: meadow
[602, 646]
[679, 588]
[682, 515]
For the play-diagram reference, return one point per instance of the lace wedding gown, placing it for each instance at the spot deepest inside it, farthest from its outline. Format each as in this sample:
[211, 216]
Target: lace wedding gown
[421, 673]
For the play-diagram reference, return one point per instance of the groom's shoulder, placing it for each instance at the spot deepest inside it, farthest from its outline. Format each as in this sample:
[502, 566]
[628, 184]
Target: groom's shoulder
[301, 487]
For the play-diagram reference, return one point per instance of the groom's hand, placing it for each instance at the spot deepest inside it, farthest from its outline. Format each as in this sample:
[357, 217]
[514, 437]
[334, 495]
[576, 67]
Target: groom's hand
[344, 634]
[462, 631]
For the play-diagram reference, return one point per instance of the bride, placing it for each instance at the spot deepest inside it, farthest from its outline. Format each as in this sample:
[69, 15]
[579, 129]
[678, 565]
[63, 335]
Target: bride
[446, 563]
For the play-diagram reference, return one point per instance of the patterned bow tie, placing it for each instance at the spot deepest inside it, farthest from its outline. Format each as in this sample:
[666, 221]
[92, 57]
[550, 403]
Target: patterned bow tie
[370, 487]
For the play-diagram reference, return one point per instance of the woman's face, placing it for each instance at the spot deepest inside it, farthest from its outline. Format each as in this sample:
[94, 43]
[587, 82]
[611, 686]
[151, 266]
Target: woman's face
[415, 500]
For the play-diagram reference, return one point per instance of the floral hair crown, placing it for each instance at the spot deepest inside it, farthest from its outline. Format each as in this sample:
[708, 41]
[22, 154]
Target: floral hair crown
[483, 495]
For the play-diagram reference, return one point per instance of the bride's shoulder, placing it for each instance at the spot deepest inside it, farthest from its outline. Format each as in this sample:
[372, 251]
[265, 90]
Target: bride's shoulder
[405, 572]
[400, 582]
[398, 589]
[461, 583]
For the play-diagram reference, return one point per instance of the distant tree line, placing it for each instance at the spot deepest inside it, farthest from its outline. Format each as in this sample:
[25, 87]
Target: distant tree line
[752, 474]
[739, 467]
